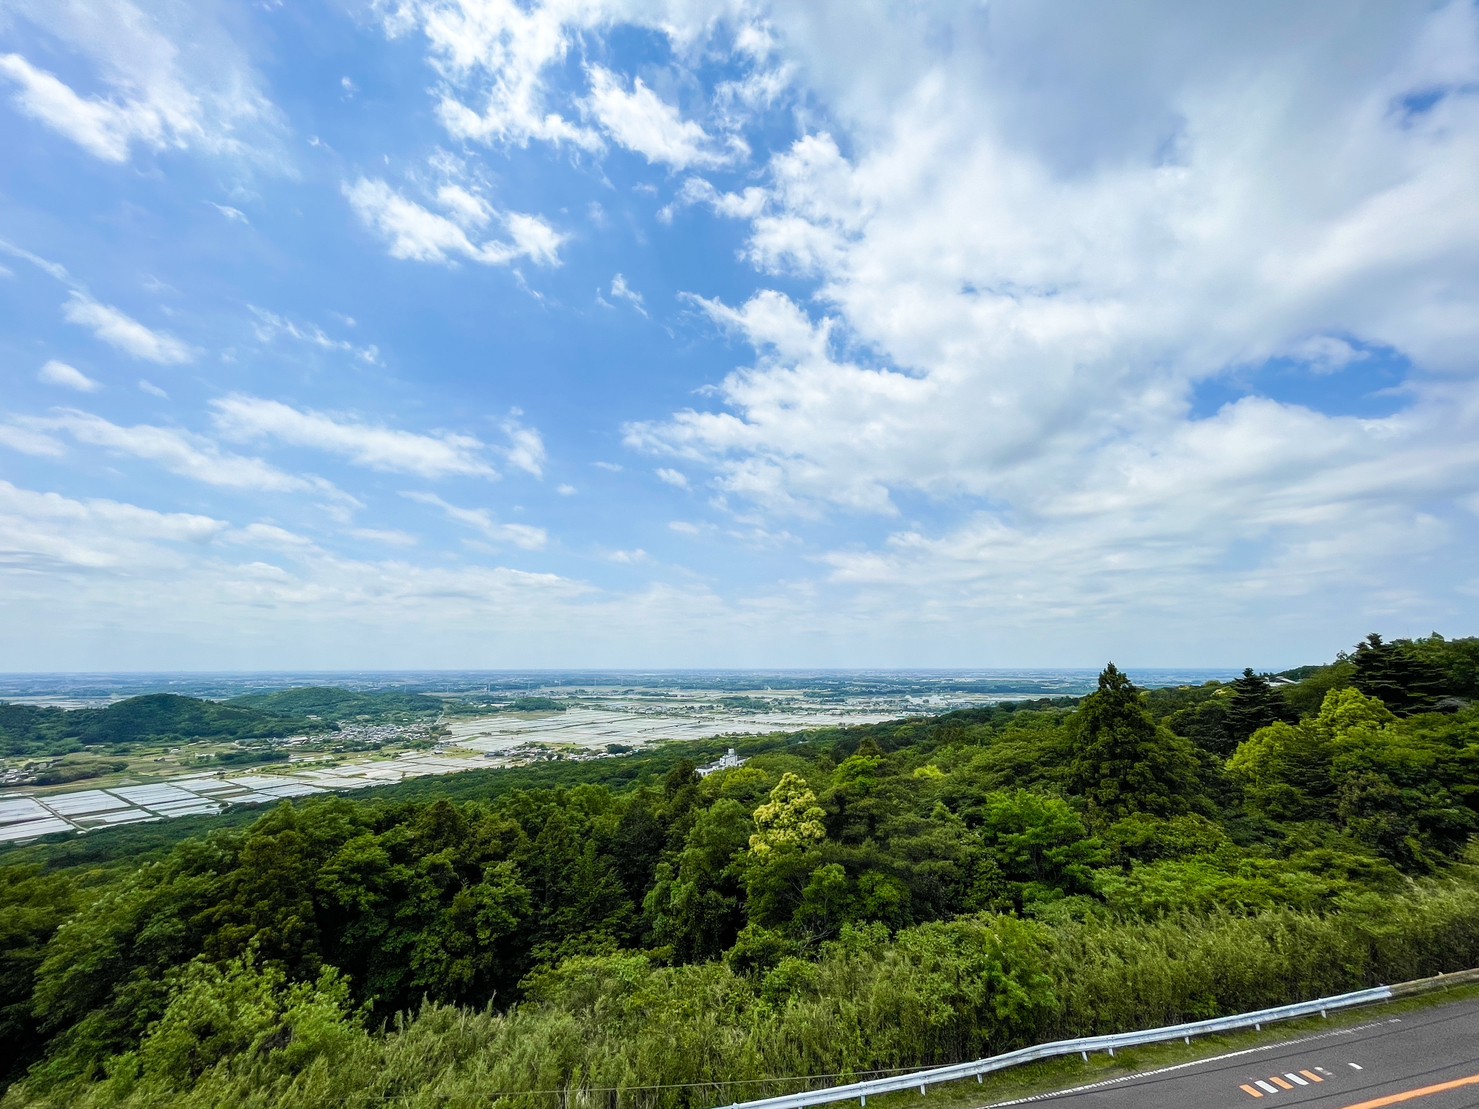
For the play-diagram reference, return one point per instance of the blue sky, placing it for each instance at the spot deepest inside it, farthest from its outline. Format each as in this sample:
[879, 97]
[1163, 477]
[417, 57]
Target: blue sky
[640, 333]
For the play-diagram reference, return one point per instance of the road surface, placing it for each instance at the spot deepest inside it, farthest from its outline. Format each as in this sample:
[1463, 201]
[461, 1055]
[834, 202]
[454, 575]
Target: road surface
[1426, 1060]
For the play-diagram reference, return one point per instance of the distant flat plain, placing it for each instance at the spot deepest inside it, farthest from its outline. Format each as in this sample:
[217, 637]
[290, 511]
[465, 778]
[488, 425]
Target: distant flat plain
[604, 713]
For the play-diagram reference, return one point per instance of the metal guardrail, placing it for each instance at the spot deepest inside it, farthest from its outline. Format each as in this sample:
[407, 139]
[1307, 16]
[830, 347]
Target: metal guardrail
[923, 1079]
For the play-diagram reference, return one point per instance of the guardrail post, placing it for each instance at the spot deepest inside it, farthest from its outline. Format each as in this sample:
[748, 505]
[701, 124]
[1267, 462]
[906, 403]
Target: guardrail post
[1187, 1039]
[1257, 1027]
[1085, 1054]
[979, 1080]
[1111, 1053]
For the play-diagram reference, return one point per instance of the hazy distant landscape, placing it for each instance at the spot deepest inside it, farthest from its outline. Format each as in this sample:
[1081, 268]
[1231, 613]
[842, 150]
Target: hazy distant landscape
[140, 747]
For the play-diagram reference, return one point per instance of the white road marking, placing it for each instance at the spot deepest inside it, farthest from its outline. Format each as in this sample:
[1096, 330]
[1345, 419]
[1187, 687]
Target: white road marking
[1194, 1063]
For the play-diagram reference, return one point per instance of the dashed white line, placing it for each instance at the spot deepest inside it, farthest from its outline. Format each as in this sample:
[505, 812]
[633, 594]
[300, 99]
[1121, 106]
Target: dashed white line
[1194, 1063]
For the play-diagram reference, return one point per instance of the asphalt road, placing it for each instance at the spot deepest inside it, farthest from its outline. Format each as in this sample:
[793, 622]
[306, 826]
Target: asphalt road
[1426, 1060]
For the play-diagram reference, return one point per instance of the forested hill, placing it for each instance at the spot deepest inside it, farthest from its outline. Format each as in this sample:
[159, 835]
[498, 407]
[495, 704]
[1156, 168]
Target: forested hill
[847, 900]
[29, 730]
[331, 703]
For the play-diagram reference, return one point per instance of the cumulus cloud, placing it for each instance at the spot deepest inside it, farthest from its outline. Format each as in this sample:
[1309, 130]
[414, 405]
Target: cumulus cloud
[676, 478]
[416, 233]
[125, 333]
[1010, 299]
[68, 377]
[523, 536]
[440, 454]
[499, 74]
[643, 122]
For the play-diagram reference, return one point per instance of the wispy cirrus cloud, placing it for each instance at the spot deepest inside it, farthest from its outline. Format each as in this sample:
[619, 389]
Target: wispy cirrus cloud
[169, 79]
[180, 452]
[270, 326]
[439, 454]
[123, 332]
[524, 536]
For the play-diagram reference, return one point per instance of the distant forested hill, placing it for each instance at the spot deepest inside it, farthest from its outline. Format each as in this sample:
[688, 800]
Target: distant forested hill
[850, 899]
[330, 703]
[30, 730]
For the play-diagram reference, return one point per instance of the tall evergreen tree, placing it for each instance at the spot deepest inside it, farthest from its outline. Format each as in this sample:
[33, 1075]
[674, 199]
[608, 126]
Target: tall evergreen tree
[1124, 762]
[1396, 676]
[1254, 704]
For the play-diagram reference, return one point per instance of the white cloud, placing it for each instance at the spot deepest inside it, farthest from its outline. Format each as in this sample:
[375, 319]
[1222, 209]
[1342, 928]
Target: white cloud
[748, 203]
[152, 389]
[170, 79]
[627, 558]
[390, 537]
[270, 535]
[45, 265]
[622, 291]
[30, 441]
[525, 450]
[566, 490]
[1012, 276]
[418, 234]
[643, 122]
[270, 325]
[100, 127]
[609, 467]
[675, 478]
[235, 215]
[124, 332]
[440, 454]
[523, 536]
[53, 534]
[68, 377]
[495, 55]
[499, 64]
[180, 452]
[1325, 354]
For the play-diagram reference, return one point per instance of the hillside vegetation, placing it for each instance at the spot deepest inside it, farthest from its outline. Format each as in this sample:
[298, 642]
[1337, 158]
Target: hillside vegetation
[31, 730]
[331, 703]
[847, 900]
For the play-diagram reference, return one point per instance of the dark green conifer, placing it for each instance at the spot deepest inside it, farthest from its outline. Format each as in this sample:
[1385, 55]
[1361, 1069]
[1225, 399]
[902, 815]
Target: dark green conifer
[1124, 762]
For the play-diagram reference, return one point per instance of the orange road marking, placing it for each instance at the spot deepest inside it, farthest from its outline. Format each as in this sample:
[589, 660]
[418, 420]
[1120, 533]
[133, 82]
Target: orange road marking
[1250, 1090]
[1313, 1077]
[1410, 1095]
[1277, 1081]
